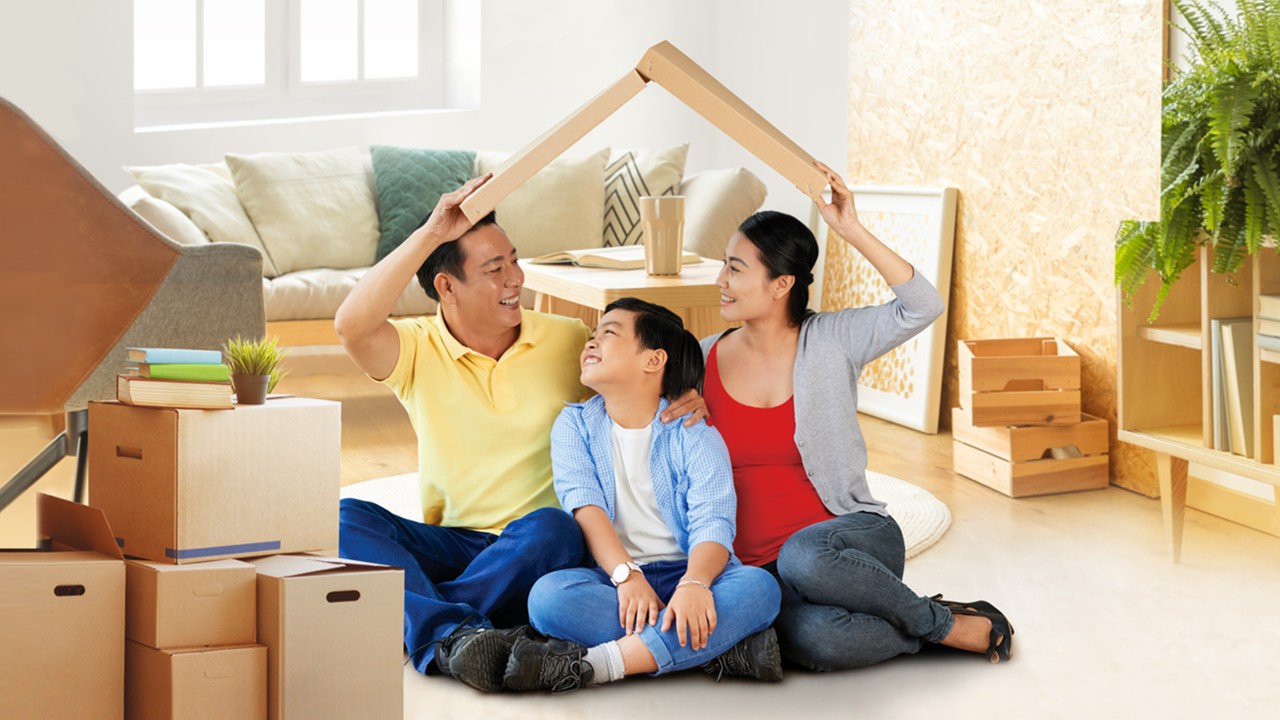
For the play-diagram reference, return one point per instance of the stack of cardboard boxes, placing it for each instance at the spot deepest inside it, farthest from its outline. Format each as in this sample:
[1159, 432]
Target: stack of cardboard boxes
[1019, 428]
[189, 628]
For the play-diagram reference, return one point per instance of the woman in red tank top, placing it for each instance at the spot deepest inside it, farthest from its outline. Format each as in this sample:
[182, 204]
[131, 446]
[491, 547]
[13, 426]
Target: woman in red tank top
[782, 391]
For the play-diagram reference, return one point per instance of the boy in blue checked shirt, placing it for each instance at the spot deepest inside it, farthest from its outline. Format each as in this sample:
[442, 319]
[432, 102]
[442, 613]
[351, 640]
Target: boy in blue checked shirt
[656, 505]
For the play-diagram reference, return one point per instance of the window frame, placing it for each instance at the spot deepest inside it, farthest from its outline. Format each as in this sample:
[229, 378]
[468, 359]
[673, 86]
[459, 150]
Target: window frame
[283, 96]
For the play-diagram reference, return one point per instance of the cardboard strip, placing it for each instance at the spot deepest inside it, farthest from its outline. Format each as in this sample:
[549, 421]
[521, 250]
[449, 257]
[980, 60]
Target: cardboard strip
[695, 87]
[690, 84]
[536, 155]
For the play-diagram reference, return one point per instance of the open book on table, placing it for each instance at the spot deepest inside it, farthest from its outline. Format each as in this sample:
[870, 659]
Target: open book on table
[627, 257]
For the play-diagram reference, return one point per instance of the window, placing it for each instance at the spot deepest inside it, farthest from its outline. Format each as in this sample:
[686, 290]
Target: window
[212, 61]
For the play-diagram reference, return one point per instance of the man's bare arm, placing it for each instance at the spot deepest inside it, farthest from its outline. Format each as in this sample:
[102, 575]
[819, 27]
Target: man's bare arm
[361, 321]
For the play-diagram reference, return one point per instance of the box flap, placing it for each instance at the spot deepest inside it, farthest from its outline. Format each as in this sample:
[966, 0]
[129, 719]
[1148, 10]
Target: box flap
[77, 526]
[299, 565]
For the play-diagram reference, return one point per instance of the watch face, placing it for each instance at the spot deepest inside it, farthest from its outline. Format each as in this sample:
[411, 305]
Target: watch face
[621, 573]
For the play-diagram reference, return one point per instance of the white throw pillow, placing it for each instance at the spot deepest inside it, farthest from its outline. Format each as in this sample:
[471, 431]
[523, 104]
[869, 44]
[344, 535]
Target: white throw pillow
[163, 217]
[311, 210]
[559, 208]
[209, 200]
[715, 204]
[630, 176]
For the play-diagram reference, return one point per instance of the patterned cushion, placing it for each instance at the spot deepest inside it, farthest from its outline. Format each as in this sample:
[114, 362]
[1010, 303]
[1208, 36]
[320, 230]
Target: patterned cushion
[410, 182]
[631, 176]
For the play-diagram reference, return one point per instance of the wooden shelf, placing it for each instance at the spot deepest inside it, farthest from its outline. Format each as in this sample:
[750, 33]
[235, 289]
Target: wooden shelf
[1166, 397]
[1184, 335]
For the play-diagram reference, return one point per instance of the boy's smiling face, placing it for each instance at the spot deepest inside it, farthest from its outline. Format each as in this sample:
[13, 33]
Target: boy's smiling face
[613, 355]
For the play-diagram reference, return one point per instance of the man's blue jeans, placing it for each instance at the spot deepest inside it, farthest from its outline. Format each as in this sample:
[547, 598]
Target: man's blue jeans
[844, 604]
[582, 605]
[453, 575]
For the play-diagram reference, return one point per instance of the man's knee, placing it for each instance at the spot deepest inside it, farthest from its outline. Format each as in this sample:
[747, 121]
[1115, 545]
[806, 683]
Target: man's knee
[550, 525]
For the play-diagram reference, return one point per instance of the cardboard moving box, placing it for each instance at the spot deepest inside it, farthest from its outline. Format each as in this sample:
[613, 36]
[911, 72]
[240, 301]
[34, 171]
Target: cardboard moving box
[62, 620]
[334, 635]
[196, 683]
[184, 606]
[183, 486]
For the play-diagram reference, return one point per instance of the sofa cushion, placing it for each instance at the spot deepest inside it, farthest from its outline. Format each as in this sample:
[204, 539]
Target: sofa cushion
[317, 293]
[559, 208]
[716, 202]
[163, 217]
[312, 210]
[209, 199]
[410, 182]
[630, 176]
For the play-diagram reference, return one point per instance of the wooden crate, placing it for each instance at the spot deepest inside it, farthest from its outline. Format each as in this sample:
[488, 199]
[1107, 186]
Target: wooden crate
[1023, 443]
[1016, 462]
[1025, 381]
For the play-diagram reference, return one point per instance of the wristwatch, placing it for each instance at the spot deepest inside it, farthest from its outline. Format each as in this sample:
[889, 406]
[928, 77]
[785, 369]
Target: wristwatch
[623, 572]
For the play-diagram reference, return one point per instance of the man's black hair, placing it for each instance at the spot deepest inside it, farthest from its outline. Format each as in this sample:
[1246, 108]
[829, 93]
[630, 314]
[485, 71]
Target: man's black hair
[657, 328]
[448, 259]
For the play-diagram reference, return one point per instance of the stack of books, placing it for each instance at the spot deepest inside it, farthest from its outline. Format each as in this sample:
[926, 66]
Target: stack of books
[1231, 355]
[175, 377]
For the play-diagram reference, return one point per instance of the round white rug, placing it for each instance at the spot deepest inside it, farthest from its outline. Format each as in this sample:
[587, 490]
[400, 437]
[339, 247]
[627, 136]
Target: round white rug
[923, 518]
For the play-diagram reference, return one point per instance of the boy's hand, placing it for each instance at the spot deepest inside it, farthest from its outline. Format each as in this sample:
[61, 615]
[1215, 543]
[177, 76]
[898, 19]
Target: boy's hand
[693, 606]
[691, 403]
[637, 603]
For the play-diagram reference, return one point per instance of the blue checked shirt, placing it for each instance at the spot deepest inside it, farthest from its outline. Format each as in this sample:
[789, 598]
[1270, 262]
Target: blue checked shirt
[692, 477]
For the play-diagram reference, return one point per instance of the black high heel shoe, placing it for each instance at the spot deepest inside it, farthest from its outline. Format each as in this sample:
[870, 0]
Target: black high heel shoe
[1001, 639]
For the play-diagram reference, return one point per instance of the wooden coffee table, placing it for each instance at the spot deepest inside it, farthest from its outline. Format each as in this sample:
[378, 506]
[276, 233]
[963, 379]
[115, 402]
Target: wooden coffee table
[584, 292]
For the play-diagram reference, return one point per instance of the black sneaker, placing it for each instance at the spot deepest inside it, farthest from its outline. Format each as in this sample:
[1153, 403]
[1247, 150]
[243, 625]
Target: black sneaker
[554, 665]
[755, 656]
[478, 656]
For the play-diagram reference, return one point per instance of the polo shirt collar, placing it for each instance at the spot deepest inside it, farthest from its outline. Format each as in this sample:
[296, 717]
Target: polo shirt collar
[457, 349]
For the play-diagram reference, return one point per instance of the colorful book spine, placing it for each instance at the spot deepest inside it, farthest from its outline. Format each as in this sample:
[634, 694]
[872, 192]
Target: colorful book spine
[157, 356]
[179, 371]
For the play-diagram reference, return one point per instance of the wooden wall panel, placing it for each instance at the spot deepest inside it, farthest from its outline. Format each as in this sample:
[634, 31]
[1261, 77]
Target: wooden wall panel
[1046, 117]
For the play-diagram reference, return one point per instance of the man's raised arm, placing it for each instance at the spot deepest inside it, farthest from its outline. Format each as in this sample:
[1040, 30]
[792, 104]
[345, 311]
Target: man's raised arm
[361, 321]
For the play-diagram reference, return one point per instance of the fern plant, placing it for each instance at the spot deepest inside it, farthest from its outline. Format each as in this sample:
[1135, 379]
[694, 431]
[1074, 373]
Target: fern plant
[1220, 143]
[256, 357]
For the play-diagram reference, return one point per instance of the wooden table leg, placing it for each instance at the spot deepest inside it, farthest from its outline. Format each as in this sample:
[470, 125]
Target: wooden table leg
[1173, 499]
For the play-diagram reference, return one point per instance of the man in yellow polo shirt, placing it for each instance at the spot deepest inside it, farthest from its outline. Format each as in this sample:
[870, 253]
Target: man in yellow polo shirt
[483, 381]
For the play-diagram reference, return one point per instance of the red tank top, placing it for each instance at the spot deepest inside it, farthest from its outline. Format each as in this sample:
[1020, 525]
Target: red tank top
[775, 497]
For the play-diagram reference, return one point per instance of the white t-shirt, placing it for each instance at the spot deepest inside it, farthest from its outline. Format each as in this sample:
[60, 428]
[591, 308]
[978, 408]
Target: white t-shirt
[636, 518]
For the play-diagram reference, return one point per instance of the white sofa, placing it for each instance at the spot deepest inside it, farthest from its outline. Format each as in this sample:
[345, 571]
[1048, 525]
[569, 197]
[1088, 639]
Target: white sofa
[548, 213]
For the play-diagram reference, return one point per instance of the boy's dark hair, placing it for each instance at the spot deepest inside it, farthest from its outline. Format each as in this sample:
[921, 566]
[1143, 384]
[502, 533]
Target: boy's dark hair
[787, 247]
[448, 258]
[657, 328]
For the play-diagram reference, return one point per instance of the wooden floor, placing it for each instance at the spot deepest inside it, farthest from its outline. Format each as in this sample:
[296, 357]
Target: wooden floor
[1106, 626]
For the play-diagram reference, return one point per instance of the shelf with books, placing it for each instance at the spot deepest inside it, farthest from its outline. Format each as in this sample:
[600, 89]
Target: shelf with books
[1215, 408]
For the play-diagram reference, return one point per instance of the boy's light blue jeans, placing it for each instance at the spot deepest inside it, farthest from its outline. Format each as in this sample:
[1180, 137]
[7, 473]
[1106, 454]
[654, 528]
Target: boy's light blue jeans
[580, 604]
[844, 604]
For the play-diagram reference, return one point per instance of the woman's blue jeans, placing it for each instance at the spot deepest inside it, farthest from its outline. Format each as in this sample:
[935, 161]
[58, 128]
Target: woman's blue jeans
[844, 604]
[581, 605]
[455, 576]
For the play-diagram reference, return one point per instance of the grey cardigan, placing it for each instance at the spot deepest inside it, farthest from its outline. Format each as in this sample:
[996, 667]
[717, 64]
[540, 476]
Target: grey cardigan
[834, 346]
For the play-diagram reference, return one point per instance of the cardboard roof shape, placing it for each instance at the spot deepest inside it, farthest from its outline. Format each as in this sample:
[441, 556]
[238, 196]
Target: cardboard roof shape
[76, 269]
[689, 83]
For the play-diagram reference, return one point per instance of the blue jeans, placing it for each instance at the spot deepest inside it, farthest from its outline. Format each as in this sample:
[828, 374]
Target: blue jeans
[582, 605]
[844, 604]
[454, 575]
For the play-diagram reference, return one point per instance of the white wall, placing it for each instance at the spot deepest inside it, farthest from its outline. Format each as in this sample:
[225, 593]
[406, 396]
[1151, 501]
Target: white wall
[68, 63]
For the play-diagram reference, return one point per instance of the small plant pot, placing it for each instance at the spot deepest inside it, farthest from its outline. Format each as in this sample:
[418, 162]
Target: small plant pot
[250, 389]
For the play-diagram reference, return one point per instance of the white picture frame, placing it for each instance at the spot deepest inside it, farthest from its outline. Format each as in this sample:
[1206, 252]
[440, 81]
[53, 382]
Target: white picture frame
[905, 385]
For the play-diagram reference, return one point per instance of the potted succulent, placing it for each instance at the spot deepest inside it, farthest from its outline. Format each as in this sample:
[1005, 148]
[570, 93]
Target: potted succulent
[255, 368]
[1220, 144]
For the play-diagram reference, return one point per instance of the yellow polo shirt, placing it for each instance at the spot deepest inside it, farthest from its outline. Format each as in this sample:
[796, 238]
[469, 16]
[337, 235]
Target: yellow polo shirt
[484, 425]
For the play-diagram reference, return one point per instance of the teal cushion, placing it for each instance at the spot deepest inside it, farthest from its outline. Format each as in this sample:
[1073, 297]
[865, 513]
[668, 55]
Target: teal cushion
[410, 182]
